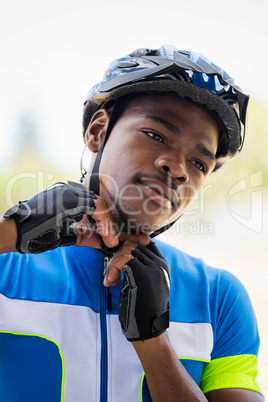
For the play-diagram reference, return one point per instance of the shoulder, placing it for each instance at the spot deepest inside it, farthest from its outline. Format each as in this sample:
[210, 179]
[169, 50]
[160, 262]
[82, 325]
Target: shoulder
[219, 280]
[183, 264]
[215, 296]
[53, 258]
[203, 294]
[47, 275]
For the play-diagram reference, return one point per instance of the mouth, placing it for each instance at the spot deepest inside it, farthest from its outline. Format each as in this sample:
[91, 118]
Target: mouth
[158, 192]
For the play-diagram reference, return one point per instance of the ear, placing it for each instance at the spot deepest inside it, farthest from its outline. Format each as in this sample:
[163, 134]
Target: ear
[96, 130]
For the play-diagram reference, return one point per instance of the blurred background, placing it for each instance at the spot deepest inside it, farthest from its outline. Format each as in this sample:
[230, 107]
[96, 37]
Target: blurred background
[52, 52]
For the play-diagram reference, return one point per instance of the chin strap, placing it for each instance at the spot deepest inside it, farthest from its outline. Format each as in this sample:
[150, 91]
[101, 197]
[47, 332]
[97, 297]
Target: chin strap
[118, 108]
[94, 184]
[82, 169]
[163, 229]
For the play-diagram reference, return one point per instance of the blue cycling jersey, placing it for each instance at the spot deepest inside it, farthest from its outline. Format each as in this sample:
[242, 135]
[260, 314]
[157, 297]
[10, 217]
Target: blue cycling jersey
[58, 341]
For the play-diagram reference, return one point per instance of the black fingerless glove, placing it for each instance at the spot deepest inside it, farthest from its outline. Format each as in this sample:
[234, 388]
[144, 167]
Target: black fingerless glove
[43, 222]
[143, 304]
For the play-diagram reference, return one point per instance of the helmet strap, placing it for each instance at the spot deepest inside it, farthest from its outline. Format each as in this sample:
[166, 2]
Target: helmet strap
[94, 184]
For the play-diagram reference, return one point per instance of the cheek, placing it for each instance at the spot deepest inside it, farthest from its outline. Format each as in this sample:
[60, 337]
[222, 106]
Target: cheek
[116, 173]
[123, 164]
[119, 152]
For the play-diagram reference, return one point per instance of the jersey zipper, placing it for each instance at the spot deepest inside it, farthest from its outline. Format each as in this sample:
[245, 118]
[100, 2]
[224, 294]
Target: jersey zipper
[105, 302]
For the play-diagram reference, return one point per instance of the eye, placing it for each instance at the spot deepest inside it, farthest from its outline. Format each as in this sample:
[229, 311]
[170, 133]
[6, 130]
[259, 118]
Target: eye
[200, 165]
[155, 136]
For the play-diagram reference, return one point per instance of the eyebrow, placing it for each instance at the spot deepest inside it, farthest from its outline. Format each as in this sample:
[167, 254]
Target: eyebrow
[171, 127]
[205, 151]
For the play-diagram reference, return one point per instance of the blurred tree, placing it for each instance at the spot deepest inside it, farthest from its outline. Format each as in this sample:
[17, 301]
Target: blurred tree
[254, 155]
[28, 172]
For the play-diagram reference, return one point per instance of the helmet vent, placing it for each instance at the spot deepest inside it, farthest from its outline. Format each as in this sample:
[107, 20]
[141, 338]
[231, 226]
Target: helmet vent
[127, 64]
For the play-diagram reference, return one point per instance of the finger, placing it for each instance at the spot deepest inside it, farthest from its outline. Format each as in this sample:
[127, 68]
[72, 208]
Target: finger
[125, 248]
[118, 262]
[110, 241]
[105, 223]
[115, 268]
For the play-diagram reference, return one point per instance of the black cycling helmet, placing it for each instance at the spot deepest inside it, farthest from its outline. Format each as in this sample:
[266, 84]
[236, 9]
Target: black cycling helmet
[187, 74]
[178, 72]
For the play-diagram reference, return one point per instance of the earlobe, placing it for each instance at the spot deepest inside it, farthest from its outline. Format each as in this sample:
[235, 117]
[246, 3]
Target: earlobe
[96, 130]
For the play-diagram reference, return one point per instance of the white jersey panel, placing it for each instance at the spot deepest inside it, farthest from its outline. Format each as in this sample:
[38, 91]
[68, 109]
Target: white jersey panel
[75, 329]
[124, 366]
[191, 340]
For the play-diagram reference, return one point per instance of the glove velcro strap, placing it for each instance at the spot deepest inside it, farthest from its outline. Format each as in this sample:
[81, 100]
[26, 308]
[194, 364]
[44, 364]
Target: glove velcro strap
[159, 325]
[42, 242]
[161, 322]
[49, 241]
[19, 212]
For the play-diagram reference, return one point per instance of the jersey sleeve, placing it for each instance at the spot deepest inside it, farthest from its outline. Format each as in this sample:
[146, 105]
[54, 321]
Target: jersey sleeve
[236, 341]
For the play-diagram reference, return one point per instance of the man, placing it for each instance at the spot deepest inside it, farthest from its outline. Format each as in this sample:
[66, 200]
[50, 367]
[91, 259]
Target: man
[158, 124]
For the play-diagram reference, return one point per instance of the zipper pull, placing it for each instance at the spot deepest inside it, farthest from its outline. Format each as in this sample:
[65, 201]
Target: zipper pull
[109, 304]
[106, 262]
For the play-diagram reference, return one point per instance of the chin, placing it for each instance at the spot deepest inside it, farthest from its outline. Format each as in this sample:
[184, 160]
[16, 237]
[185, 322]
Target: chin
[141, 222]
[138, 225]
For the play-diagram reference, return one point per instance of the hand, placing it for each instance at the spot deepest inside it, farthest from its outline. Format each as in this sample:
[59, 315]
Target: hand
[127, 243]
[143, 304]
[46, 220]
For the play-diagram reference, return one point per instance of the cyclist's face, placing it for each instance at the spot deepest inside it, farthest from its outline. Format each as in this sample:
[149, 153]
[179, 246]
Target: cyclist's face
[156, 159]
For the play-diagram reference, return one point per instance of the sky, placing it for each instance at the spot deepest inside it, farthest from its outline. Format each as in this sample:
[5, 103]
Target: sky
[53, 51]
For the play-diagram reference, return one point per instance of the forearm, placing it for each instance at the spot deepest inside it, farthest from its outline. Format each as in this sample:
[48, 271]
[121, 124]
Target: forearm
[167, 379]
[8, 235]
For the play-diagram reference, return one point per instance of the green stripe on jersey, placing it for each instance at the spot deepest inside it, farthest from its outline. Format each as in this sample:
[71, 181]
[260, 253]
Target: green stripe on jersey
[230, 372]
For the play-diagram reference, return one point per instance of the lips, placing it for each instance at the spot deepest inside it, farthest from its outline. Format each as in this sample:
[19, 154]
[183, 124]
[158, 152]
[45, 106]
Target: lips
[159, 192]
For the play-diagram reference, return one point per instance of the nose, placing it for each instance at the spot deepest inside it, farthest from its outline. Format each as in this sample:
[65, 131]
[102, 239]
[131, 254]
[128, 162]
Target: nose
[176, 168]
